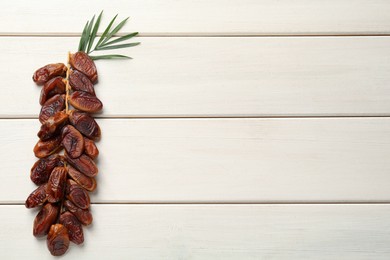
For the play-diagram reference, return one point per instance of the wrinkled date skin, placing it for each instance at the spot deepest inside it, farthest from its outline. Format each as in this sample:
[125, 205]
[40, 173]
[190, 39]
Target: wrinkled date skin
[83, 215]
[48, 147]
[83, 63]
[76, 194]
[58, 240]
[84, 164]
[78, 81]
[75, 230]
[53, 125]
[73, 141]
[56, 185]
[51, 88]
[90, 148]
[51, 107]
[45, 218]
[42, 75]
[85, 102]
[85, 124]
[37, 197]
[83, 180]
[40, 172]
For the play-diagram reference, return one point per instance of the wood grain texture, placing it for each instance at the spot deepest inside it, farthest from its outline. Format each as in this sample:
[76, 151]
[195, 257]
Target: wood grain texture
[181, 77]
[218, 17]
[221, 160]
[214, 232]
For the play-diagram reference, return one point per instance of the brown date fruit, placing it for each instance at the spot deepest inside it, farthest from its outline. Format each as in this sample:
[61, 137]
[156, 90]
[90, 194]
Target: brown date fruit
[83, 63]
[42, 75]
[83, 180]
[42, 168]
[37, 197]
[90, 148]
[84, 164]
[52, 87]
[83, 215]
[85, 102]
[58, 240]
[79, 82]
[48, 147]
[51, 107]
[85, 124]
[45, 218]
[73, 141]
[76, 194]
[52, 125]
[73, 225]
[56, 185]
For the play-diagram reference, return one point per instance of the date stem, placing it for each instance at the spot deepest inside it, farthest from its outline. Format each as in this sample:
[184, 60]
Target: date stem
[67, 85]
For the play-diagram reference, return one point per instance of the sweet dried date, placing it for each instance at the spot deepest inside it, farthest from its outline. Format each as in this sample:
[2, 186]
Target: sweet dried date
[84, 164]
[53, 125]
[48, 147]
[78, 81]
[42, 75]
[73, 225]
[90, 148]
[85, 102]
[73, 141]
[83, 180]
[76, 194]
[56, 185]
[83, 63]
[42, 168]
[51, 107]
[52, 87]
[85, 124]
[37, 197]
[83, 215]
[58, 240]
[45, 218]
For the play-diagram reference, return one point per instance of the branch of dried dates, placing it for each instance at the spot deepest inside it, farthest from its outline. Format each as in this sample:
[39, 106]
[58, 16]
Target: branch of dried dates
[64, 179]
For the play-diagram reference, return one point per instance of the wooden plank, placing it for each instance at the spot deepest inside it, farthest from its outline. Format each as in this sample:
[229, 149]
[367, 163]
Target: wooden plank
[218, 17]
[221, 160]
[206, 77]
[214, 232]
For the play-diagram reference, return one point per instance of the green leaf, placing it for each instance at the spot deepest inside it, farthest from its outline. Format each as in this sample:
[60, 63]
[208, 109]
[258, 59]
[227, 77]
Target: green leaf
[121, 39]
[115, 30]
[94, 31]
[109, 57]
[105, 32]
[83, 38]
[88, 34]
[119, 46]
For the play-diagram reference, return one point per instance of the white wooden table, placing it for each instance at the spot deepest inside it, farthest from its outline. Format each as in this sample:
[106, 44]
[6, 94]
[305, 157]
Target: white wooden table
[248, 129]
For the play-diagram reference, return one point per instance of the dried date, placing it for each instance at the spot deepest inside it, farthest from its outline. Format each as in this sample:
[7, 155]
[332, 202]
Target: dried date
[42, 75]
[73, 225]
[45, 218]
[40, 172]
[53, 125]
[73, 141]
[85, 124]
[83, 63]
[83, 180]
[85, 102]
[76, 194]
[37, 197]
[83, 215]
[51, 88]
[48, 147]
[56, 185]
[58, 240]
[79, 82]
[90, 148]
[51, 107]
[84, 164]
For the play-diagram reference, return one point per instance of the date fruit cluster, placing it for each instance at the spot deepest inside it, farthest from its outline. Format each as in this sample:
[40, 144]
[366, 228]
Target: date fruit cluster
[65, 178]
